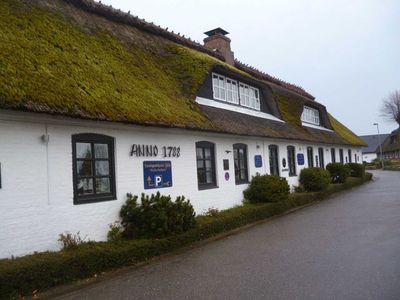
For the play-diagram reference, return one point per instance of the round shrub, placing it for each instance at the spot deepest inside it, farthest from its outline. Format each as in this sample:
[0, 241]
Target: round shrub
[338, 171]
[267, 188]
[315, 179]
[156, 216]
[356, 170]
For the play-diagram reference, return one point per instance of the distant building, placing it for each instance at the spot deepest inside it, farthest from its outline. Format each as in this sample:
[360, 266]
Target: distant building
[369, 153]
[391, 145]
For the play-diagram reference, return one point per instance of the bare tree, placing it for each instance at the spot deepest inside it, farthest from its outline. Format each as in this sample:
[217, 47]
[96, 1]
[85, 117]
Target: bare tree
[391, 107]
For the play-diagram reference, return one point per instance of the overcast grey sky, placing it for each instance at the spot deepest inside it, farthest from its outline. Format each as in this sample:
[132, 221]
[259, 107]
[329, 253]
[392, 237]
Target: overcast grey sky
[345, 53]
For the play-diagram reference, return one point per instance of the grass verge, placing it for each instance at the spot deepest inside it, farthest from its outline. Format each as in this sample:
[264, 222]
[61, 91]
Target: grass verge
[28, 274]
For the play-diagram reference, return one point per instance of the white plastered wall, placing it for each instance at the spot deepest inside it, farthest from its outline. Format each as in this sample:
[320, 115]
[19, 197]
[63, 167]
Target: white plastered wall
[36, 198]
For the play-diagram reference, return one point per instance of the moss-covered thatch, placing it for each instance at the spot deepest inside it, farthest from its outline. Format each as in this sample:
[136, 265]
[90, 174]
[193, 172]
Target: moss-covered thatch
[290, 109]
[47, 62]
[59, 58]
[345, 133]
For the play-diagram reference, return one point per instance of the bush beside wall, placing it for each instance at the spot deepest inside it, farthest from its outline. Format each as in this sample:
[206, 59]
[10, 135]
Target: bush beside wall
[23, 275]
[338, 171]
[156, 216]
[267, 188]
[314, 179]
[356, 170]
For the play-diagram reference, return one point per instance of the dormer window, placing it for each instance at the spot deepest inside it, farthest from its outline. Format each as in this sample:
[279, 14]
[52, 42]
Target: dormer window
[249, 96]
[225, 89]
[229, 90]
[310, 115]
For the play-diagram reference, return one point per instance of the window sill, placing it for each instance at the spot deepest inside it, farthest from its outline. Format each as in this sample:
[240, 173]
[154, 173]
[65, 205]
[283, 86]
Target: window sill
[80, 201]
[237, 104]
[207, 187]
[242, 182]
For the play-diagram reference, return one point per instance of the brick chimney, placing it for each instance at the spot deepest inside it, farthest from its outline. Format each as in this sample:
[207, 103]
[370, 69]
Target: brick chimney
[217, 40]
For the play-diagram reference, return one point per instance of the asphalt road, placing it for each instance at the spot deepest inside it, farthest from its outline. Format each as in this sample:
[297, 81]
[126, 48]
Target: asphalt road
[347, 247]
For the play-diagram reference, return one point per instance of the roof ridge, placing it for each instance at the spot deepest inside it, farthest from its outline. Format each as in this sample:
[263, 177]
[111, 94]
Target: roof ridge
[120, 16]
[263, 75]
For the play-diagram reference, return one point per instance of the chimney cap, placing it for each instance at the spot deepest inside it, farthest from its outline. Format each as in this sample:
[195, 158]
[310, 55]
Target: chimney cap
[215, 31]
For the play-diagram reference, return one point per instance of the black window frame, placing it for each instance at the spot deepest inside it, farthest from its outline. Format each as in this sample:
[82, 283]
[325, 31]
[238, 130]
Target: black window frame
[242, 163]
[310, 157]
[291, 157]
[275, 165]
[333, 155]
[206, 145]
[349, 155]
[92, 139]
[341, 156]
[321, 157]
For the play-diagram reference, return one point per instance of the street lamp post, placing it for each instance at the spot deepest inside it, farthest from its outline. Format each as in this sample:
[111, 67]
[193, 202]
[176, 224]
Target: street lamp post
[380, 145]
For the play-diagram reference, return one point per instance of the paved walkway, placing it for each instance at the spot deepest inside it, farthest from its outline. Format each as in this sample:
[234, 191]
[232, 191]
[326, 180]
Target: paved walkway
[344, 248]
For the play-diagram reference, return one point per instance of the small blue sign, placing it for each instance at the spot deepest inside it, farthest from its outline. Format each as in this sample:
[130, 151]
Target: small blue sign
[157, 174]
[258, 161]
[227, 176]
[300, 159]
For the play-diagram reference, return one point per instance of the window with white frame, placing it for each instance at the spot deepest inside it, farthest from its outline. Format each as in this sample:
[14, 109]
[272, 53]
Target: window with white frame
[225, 89]
[249, 96]
[232, 91]
[310, 115]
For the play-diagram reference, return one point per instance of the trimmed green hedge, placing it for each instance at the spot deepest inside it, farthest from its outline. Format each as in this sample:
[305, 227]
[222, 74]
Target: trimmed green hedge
[23, 275]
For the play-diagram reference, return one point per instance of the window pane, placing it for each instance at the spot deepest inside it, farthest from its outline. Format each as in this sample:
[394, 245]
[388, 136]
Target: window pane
[102, 185]
[100, 150]
[215, 80]
[229, 96]
[221, 82]
[216, 92]
[200, 164]
[207, 153]
[201, 174]
[85, 186]
[83, 150]
[209, 177]
[222, 93]
[208, 165]
[102, 168]
[243, 174]
[199, 153]
[84, 168]
[236, 164]
[241, 153]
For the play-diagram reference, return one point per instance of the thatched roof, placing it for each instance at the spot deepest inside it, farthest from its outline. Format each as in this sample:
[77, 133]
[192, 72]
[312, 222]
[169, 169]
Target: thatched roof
[81, 59]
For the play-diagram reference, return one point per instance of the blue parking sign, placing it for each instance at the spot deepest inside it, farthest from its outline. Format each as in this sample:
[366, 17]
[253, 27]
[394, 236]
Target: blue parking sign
[157, 174]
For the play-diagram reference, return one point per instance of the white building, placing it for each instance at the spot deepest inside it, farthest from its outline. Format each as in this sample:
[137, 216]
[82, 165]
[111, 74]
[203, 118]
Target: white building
[95, 104]
[373, 141]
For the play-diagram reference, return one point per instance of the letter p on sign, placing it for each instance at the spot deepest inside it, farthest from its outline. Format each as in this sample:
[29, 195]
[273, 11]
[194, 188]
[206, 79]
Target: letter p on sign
[158, 180]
